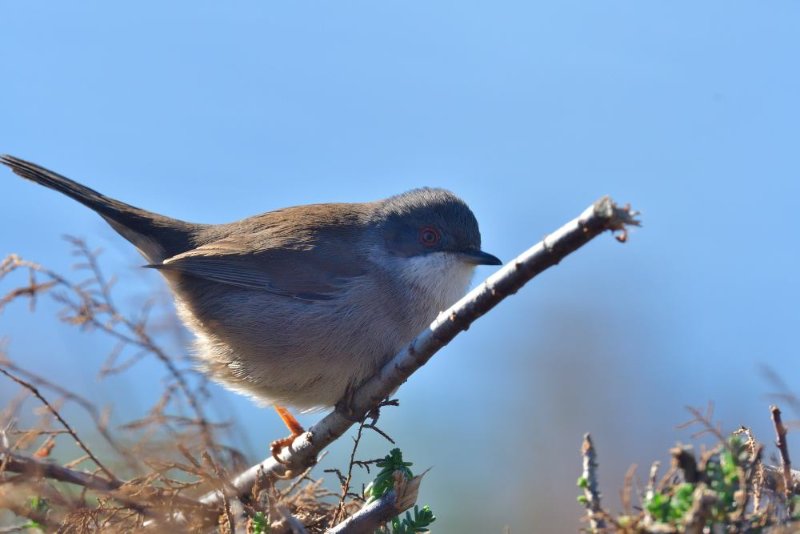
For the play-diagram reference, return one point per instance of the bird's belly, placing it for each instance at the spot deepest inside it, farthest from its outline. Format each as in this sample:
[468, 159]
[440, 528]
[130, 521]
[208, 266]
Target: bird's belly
[303, 354]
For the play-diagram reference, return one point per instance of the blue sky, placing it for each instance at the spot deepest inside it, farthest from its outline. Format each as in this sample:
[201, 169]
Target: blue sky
[528, 110]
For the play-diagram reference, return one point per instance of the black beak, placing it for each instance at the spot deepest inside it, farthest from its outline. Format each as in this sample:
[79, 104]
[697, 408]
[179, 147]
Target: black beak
[479, 257]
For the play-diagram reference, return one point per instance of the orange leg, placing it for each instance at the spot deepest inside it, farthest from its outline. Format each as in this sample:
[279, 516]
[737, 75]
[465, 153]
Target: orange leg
[294, 427]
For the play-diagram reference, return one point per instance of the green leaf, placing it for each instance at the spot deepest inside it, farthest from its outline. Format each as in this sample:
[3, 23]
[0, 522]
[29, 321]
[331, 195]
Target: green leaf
[259, 524]
[384, 480]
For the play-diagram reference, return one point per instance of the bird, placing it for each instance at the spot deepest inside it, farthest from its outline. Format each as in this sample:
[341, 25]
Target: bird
[298, 306]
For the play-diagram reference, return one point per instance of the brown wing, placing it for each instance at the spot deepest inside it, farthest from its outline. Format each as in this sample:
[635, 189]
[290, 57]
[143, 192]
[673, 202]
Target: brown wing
[309, 269]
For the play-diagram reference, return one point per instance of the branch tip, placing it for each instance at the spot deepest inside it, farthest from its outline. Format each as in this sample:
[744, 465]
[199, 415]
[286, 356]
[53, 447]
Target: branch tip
[617, 218]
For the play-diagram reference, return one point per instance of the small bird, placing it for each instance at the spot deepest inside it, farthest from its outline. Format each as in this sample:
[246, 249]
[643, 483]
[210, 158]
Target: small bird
[300, 305]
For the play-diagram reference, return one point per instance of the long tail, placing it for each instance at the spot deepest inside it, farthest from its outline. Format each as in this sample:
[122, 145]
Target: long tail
[156, 236]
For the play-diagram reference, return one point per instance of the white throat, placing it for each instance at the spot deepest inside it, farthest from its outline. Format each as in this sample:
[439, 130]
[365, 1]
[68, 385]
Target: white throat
[443, 276]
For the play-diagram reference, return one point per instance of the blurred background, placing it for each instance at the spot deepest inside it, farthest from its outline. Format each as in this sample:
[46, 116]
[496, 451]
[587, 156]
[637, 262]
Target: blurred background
[530, 111]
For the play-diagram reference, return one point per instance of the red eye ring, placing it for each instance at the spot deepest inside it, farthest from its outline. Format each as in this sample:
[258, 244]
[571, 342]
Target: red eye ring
[429, 236]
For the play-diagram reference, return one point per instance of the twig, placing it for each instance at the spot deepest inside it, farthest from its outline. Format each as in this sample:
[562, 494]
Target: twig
[85, 312]
[627, 490]
[604, 215]
[755, 475]
[14, 462]
[299, 480]
[97, 417]
[81, 444]
[143, 339]
[780, 441]
[650, 492]
[591, 490]
[18, 463]
[346, 482]
[706, 422]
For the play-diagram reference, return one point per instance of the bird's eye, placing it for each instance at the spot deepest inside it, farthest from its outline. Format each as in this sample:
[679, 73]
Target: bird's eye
[429, 236]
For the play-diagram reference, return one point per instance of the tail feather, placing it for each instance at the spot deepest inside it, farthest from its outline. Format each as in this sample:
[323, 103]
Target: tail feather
[156, 236]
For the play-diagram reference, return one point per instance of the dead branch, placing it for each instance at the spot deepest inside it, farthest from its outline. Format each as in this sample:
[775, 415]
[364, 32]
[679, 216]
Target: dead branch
[374, 514]
[591, 486]
[14, 462]
[780, 441]
[604, 215]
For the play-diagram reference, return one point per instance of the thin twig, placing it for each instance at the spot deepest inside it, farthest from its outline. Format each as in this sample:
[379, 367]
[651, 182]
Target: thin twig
[299, 480]
[591, 489]
[143, 339]
[85, 311]
[780, 441]
[14, 462]
[19, 463]
[97, 417]
[706, 422]
[337, 515]
[627, 490]
[81, 444]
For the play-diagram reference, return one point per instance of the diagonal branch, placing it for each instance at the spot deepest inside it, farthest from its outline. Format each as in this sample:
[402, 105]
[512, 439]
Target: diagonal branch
[603, 215]
[14, 462]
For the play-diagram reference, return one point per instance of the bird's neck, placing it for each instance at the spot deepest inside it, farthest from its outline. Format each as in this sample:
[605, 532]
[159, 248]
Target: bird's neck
[435, 280]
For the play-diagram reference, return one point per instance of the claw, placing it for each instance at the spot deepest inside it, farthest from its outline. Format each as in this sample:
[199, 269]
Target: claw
[346, 407]
[277, 446]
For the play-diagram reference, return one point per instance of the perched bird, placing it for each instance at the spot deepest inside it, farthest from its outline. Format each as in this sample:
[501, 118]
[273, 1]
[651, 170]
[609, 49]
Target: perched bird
[299, 305]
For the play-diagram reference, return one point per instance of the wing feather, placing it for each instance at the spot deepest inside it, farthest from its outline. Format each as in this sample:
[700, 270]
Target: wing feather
[313, 270]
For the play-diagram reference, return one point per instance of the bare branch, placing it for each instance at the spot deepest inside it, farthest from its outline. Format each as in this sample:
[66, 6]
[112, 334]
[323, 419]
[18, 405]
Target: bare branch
[591, 489]
[603, 215]
[339, 513]
[19, 463]
[378, 512]
[780, 441]
[34, 468]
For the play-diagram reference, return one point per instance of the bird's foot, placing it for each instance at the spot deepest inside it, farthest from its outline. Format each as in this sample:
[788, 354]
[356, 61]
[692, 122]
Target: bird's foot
[346, 406]
[375, 413]
[294, 427]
